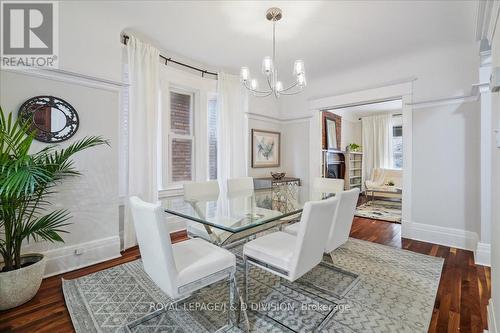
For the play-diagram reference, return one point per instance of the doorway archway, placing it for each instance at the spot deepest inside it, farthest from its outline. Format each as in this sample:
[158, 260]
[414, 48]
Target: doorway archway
[401, 91]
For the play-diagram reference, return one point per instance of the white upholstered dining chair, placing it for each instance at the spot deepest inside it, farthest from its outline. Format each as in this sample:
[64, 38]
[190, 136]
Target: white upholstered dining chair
[339, 232]
[290, 256]
[197, 194]
[238, 185]
[182, 268]
[328, 185]
[201, 191]
[341, 223]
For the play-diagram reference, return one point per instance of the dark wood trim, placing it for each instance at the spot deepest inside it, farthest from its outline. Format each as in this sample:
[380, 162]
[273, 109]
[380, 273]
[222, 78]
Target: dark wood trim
[460, 306]
[279, 149]
[338, 128]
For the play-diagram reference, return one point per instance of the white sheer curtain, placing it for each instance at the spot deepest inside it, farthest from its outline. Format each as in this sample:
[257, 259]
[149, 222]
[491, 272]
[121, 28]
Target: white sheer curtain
[143, 62]
[232, 136]
[377, 144]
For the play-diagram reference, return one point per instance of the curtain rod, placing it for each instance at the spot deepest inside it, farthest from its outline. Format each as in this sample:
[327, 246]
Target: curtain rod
[167, 60]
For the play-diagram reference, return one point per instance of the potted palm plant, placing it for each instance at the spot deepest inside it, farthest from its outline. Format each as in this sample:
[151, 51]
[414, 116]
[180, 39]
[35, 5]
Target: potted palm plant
[26, 182]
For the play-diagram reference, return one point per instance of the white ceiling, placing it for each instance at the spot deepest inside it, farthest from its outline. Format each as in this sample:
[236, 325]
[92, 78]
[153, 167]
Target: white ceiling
[328, 35]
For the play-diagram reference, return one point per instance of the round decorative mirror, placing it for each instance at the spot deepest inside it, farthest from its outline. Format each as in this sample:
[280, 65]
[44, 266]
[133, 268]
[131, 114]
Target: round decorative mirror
[52, 119]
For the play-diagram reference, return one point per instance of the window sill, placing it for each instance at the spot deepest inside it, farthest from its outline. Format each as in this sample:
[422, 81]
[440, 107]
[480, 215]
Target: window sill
[173, 191]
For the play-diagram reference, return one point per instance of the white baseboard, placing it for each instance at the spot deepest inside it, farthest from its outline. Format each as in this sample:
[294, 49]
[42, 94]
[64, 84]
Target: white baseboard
[452, 237]
[492, 325]
[175, 223]
[66, 259]
[482, 255]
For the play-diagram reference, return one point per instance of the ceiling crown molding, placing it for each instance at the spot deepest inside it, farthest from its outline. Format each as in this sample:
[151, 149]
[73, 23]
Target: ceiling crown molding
[486, 19]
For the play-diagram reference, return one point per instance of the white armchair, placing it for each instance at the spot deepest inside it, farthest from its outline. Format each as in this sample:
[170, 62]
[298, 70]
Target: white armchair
[380, 178]
[182, 268]
[290, 256]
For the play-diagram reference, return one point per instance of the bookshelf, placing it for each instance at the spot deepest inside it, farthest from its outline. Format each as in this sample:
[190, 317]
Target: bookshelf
[354, 170]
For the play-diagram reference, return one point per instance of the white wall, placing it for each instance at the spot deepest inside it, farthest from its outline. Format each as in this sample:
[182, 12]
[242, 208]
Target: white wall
[93, 198]
[351, 133]
[264, 106]
[494, 307]
[93, 50]
[296, 150]
[263, 114]
[446, 166]
[440, 72]
[445, 137]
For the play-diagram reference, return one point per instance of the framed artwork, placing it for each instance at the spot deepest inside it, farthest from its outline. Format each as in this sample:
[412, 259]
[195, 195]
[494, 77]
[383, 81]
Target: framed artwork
[265, 149]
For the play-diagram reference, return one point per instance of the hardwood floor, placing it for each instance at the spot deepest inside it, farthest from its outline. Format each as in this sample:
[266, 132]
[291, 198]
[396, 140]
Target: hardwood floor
[460, 304]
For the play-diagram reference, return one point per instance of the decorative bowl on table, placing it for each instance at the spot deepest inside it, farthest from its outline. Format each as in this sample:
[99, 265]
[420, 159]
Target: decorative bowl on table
[278, 175]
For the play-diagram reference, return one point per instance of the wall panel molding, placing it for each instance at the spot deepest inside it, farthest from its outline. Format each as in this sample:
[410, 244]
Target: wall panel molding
[94, 225]
[261, 117]
[70, 77]
[444, 101]
[81, 255]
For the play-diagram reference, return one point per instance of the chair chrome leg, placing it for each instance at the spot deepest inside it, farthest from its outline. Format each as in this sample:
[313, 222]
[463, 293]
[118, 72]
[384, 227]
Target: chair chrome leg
[232, 286]
[240, 310]
[245, 264]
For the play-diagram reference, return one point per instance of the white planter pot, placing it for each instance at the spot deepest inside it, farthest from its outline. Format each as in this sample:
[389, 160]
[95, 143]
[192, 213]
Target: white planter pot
[20, 285]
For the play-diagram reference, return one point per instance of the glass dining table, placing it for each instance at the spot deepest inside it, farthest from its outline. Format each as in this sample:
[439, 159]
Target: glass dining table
[228, 217]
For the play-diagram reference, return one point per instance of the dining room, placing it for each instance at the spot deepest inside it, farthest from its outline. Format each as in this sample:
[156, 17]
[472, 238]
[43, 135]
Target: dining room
[197, 166]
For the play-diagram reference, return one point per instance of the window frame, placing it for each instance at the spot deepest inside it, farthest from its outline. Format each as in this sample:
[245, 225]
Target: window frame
[174, 79]
[170, 136]
[392, 146]
[211, 97]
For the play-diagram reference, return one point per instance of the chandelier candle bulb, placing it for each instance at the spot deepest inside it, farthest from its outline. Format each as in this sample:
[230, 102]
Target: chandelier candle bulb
[267, 65]
[254, 84]
[279, 86]
[298, 67]
[245, 74]
[301, 79]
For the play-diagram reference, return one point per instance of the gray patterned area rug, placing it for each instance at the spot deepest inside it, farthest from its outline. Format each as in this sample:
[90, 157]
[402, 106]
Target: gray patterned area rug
[380, 210]
[369, 288]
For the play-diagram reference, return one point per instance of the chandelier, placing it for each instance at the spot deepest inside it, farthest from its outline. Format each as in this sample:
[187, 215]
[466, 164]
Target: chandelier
[274, 85]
